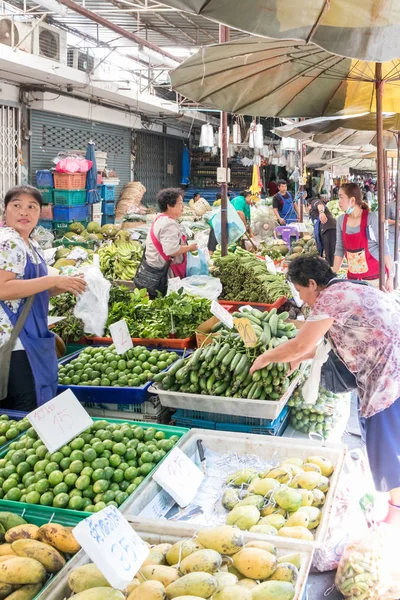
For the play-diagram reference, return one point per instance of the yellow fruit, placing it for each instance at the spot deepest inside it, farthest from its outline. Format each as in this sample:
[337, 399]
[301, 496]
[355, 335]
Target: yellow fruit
[154, 558]
[323, 485]
[307, 497]
[100, 593]
[318, 498]
[287, 498]
[298, 519]
[273, 590]
[149, 590]
[298, 462]
[249, 584]
[29, 532]
[21, 571]
[276, 520]
[163, 548]
[285, 572]
[323, 463]
[263, 486]
[294, 559]
[50, 558]
[300, 533]
[295, 470]
[230, 498]
[272, 509]
[311, 467]
[314, 515]
[181, 550]
[282, 474]
[252, 500]
[309, 480]
[235, 572]
[5, 590]
[7, 557]
[6, 550]
[242, 476]
[233, 592]
[86, 577]
[263, 545]
[265, 529]
[255, 563]
[198, 584]
[243, 517]
[132, 586]
[27, 592]
[164, 575]
[225, 579]
[59, 537]
[223, 539]
[208, 561]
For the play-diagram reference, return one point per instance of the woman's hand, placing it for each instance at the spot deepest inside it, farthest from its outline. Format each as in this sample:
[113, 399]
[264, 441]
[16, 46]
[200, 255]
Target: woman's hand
[389, 284]
[261, 362]
[193, 247]
[75, 285]
[323, 218]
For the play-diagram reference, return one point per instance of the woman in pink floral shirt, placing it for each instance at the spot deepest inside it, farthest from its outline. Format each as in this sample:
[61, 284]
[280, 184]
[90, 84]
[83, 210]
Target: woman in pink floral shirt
[363, 326]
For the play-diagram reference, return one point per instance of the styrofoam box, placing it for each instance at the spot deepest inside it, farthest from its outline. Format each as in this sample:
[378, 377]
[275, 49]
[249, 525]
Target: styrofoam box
[58, 588]
[95, 209]
[97, 218]
[265, 447]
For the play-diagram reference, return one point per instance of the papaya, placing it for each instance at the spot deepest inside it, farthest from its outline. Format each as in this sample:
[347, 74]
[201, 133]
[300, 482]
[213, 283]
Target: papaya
[20, 571]
[208, 561]
[181, 550]
[29, 532]
[86, 577]
[299, 533]
[59, 537]
[273, 590]
[26, 592]
[222, 539]
[285, 572]
[48, 556]
[263, 486]
[323, 463]
[243, 517]
[164, 575]
[233, 592]
[100, 593]
[255, 563]
[263, 545]
[198, 584]
[149, 590]
[287, 498]
[294, 559]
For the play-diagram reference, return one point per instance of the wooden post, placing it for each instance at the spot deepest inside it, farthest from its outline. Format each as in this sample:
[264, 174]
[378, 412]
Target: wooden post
[380, 171]
[224, 36]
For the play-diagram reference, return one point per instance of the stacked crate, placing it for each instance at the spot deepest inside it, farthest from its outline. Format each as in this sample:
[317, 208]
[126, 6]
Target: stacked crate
[45, 183]
[107, 193]
[69, 201]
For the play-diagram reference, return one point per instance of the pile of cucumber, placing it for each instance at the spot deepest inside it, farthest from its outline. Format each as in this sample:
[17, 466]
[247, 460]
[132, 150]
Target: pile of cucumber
[222, 368]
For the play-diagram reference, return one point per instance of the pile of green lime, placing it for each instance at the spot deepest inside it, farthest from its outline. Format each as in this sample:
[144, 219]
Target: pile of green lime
[102, 366]
[101, 467]
[10, 429]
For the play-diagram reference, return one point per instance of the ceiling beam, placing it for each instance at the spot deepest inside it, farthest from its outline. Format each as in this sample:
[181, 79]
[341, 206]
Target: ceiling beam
[167, 22]
[89, 14]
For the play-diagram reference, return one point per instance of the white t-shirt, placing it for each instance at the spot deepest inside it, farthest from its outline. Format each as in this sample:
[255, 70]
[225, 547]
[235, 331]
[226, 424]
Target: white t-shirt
[169, 234]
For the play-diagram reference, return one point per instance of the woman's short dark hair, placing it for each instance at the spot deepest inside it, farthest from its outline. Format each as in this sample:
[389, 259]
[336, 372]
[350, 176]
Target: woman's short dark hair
[19, 190]
[245, 193]
[304, 268]
[169, 197]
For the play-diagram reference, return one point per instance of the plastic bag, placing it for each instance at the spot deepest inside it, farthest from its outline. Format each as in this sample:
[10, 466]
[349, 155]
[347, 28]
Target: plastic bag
[196, 265]
[73, 164]
[201, 285]
[92, 306]
[236, 227]
[311, 386]
[43, 237]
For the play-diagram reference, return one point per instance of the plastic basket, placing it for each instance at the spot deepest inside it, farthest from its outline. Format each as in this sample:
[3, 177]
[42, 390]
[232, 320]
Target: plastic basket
[70, 244]
[44, 179]
[70, 181]
[61, 227]
[261, 306]
[108, 192]
[169, 344]
[46, 224]
[46, 213]
[69, 197]
[47, 195]
[108, 208]
[67, 214]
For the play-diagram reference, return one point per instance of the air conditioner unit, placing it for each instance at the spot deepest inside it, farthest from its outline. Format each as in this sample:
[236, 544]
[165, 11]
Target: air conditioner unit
[50, 42]
[12, 32]
[83, 61]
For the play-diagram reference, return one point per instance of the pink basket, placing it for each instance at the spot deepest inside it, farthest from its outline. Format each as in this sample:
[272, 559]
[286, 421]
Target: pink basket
[47, 212]
[70, 181]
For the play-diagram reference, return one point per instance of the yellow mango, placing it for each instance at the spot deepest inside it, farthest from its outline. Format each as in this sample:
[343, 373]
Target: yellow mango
[6, 550]
[282, 474]
[276, 520]
[293, 461]
[294, 559]
[233, 592]
[255, 563]
[181, 550]
[298, 519]
[264, 529]
[100, 593]
[164, 575]
[154, 558]
[48, 556]
[21, 571]
[86, 577]
[272, 509]
[299, 533]
[318, 498]
[249, 584]
[309, 480]
[26, 592]
[285, 572]
[198, 584]
[242, 476]
[323, 485]
[252, 500]
[274, 590]
[149, 590]
[263, 545]
[59, 537]
[263, 486]
[323, 463]
[208, 561]
[307, 497]
[222, 539]
[243, 517]
[29, 532]
[224, 579]
[5, 590]
[311, 467]
[288, 498]
[314, 515]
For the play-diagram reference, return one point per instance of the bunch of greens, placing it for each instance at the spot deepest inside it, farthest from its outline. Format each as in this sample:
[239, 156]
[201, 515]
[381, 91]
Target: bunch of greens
[70, 329]
[177, 313]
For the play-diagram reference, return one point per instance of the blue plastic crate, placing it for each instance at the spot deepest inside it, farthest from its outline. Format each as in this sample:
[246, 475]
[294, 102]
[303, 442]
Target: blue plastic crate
[65, 214]
[45, 223]
[108, 192]
[107, 219]
[108, 208]
[44, 179]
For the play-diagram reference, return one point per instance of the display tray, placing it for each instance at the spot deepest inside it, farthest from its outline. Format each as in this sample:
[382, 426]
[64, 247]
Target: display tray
[168, 343]
[260, 305]
[171, 533]
[226, 452]
[241, 407]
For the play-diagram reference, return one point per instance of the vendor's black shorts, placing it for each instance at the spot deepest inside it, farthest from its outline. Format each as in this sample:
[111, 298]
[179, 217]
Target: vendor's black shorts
[21, 385]
[212, 241]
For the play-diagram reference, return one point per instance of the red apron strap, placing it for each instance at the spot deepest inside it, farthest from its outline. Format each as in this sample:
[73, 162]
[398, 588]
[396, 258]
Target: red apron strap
[156, 242]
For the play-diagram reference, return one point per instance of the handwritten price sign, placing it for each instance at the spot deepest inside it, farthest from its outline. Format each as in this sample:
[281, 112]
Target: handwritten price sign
[246, 331]
[222, 314]
[113, 546]
[179, 476]
[121, 337]
[60, 420]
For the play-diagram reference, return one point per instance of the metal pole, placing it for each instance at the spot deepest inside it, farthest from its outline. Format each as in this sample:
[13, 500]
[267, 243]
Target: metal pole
[380, 171]
[224, 36]
[396, 219]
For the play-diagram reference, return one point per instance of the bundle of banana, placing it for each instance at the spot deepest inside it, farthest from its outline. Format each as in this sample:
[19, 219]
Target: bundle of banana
[120, 260]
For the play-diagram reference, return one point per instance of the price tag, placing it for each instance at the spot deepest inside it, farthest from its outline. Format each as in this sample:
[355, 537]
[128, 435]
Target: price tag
[121, 337]
[222, 314]
[60, 420]
[179, 476]
[114, 547]
[246, 331]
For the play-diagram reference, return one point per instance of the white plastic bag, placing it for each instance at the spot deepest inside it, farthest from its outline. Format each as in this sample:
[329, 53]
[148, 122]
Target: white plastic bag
[311, 386]
[202, 285]
[43, 237]
[92, 306]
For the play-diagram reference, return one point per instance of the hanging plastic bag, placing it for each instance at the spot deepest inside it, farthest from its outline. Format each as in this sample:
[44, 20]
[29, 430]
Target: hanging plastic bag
[202, 285]
[196, 265]
[235, 224]
[311, 387]
[92, 306]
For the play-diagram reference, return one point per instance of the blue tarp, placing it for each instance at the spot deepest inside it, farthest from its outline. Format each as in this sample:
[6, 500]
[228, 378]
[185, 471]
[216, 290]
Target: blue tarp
[92, 195]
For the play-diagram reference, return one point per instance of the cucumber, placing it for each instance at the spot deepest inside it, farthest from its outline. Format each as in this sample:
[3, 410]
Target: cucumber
[182, 373]
[273, 323]
[252, 391]
[269, 314]
[235, 361]
[284, 315]
[210, 382]
[242, 365]
[221, 388]
[222, 352]
[257, 376]
[226, 361]
[160, 376]
[217, 327]
[195, 358]
[176, 366]
[194, 377]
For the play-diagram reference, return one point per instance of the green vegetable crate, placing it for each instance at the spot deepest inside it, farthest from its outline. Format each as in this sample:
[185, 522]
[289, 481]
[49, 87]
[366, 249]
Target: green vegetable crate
[73, 517]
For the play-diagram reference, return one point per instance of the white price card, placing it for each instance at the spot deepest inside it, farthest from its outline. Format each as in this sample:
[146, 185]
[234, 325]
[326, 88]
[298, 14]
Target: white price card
[114, 547]
[60, 420]
[121, 337]
[179, 476]
[222, 314]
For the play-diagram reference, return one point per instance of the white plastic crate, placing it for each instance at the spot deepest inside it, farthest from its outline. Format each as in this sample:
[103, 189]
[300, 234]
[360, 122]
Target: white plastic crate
[95, 209]
[150, 410]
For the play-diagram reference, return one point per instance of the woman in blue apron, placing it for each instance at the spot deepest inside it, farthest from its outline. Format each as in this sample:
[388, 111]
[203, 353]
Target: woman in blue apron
[23, 273]
[284, 206]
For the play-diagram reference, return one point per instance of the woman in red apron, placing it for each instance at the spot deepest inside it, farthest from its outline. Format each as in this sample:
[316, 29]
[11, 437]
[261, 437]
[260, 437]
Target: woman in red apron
[357, 239]
[165, 242]
[33, 375]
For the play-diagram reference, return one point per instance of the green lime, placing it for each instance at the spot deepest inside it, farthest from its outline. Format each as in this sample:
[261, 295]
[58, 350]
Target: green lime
[42, 486]
[123, 485]
[65, 463]
[55, 478]
[146, 457]
[46, 499]
[88, 492]
[12, 433]
[121, 366]
[89, 455]
[87, 471]
[119, 448]
[100, 463]
[14, 494]
[98, 474]
[138, 432]
[33, 498]
[9, 484]
[76, 466]
[146, 468]
[99, 506]
[131, 488]
[115, 460]
[40, 475]
[117, 477]
[75, 503]
[139, 479]
[108, 496]
[100, 486]
[61, 500]
[52, 466]
[160, 435]
[77, 455]
[118, 435]
[23, 468]
[120, 497]
[108, 473]
[66, 450]
[28, 479]
[77, 443]
[82, 482]
[70, 479]
[131, 473]
[98, 447]
[61, 488]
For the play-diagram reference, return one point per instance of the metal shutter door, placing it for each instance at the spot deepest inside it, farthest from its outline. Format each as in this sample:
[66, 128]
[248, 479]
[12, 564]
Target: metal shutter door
[52, 133]
[10, 148]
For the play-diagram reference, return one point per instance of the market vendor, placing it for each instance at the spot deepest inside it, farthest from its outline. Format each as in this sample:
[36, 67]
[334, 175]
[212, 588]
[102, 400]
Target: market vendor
[324, 228]
[29, 377]
[284, 205]
[196, 197]
[242, 205]
[357, 239]
[362, 325]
